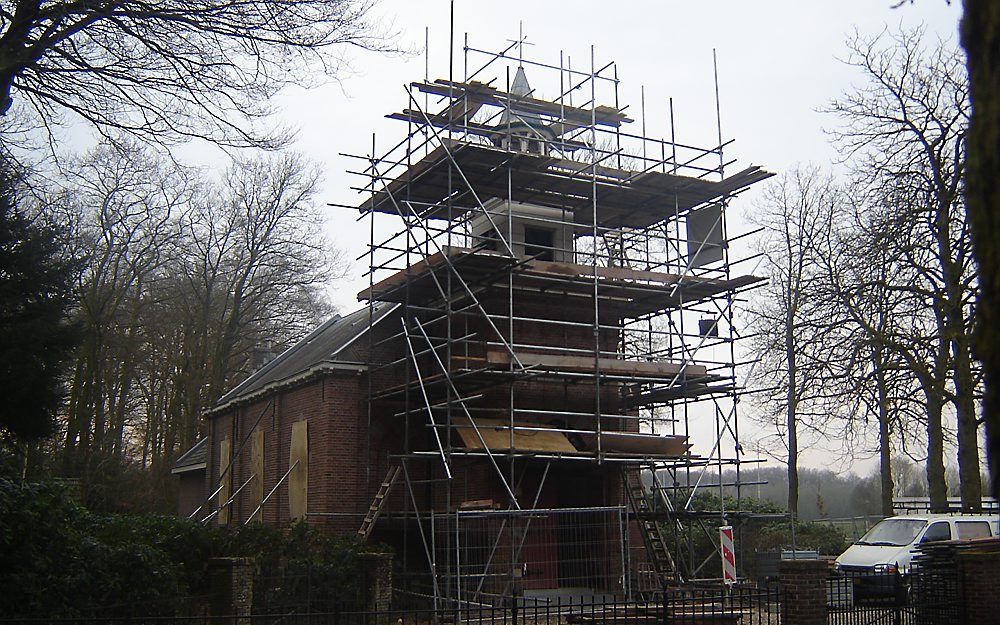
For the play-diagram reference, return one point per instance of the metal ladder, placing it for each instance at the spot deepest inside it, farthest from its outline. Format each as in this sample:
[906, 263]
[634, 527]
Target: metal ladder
[376, 508]
[652, 535]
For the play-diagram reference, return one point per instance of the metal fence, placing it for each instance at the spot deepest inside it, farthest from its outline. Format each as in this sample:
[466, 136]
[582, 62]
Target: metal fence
[921, 597]
[718, 605]
[852, 598]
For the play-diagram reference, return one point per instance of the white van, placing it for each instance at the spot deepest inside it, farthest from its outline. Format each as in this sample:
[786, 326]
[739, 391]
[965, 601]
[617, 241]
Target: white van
[890, 545]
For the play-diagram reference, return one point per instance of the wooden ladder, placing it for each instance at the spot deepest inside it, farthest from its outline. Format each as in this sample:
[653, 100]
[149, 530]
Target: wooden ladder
[652, 535]
[376, 508]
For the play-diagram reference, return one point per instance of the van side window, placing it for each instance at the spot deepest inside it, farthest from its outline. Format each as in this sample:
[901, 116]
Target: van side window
[972, 529]
[937, 531]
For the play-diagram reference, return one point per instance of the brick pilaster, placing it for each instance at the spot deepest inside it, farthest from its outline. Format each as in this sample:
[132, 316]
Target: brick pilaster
[231, 581]
[803, 591]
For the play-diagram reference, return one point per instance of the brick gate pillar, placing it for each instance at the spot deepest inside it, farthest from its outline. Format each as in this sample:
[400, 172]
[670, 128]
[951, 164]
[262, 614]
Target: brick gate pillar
[231, 586]
[803, 591]
[378, 574]
[980, 572]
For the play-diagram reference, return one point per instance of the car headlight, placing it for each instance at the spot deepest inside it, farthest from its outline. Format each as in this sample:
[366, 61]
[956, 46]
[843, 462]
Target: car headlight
[836, 566]
[885, 568]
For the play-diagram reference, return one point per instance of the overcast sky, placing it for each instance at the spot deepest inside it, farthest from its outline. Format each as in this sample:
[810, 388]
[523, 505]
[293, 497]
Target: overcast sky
[778, 63]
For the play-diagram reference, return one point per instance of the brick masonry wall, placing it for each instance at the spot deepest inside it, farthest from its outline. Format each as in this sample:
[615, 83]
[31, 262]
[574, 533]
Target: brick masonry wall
[231, 587]
[333, 407]
[190, 492]
[348, 460]
[378, 581]
[803, 591]
[980, 572]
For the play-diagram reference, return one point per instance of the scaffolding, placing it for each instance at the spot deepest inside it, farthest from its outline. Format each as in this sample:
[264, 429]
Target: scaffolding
[565, 299]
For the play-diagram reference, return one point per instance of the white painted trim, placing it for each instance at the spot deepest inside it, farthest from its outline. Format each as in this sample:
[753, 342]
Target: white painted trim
[190, 467]
[300, 378]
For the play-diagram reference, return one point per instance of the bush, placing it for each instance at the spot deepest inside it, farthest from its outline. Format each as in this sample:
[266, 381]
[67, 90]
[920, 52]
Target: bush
[301, 569]
[61, 560]
[756, 535]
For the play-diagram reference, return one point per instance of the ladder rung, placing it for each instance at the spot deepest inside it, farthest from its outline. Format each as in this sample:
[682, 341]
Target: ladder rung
[380, 497]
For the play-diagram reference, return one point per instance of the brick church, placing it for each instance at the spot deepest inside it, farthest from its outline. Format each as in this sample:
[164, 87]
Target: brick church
[520, 359]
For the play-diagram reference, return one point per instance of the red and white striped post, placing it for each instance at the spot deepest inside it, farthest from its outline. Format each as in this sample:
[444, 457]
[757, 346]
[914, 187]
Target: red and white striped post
[728, 554]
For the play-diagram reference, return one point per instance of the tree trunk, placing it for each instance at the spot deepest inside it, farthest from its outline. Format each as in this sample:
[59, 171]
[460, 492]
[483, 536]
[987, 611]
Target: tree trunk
[884, 432]
[791, 405]
[971, 486]
[981, 38]
[937, 487]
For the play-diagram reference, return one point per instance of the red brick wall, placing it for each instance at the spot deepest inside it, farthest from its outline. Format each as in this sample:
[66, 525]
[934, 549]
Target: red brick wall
[333, 407]
[980, 572]
[348, 460]
[190, 492]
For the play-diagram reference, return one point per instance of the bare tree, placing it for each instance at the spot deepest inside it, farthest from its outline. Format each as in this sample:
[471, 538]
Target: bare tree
[127, 202]
[170, 70]
[903, 131]
[874, 375]
[254, 264]
[788, 331]
[185, 276]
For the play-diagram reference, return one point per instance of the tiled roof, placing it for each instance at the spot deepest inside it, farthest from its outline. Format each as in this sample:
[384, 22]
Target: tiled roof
[193, 459]
[332, 342]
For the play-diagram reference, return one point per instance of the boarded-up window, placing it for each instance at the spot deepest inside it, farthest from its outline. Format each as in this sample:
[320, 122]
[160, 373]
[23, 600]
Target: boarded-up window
[704, 234]
[257, 467]
[298, 480]
[224, 468]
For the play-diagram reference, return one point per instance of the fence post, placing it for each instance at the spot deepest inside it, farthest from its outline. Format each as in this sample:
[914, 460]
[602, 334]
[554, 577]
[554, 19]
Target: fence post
[231, 587]
[802, 585]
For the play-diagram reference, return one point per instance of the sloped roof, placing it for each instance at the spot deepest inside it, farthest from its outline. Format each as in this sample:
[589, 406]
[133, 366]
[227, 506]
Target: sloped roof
[194, 459]
[332, 342]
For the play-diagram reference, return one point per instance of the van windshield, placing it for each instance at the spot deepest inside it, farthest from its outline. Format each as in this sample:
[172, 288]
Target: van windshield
[893, 532]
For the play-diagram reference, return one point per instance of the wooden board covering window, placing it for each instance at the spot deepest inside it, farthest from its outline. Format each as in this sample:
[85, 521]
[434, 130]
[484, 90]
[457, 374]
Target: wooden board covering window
[257, 467]
[496, 434]
[298, 480]
[224, 459]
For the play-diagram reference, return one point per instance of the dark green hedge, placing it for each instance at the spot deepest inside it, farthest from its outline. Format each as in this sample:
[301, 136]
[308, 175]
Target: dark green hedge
[58, 559]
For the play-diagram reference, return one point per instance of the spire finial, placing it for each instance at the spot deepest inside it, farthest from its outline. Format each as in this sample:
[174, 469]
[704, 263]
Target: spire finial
[520, 42]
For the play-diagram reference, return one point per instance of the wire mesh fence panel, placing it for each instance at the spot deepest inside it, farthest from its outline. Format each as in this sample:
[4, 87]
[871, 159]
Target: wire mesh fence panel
[534, 556]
